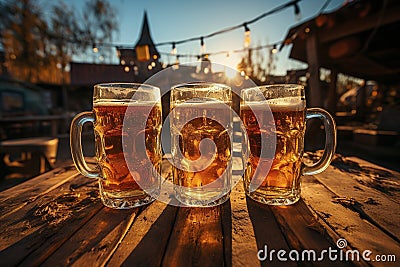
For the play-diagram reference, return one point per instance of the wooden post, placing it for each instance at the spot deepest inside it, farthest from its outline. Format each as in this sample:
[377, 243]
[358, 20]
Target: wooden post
[332, 94]
[313, 68]
[313, 140]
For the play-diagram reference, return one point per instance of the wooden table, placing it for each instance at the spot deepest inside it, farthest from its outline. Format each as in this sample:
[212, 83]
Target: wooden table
[57, 219]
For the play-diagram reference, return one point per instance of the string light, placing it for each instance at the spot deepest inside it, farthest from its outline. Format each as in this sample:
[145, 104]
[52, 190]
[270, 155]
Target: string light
[274, 49]
[272, 11]
[94, 48]
[246, 35]
[176, 65]
[226, 52]
[297, 11]
[174, 43]
[247, 38]
[202, 45]
[173, 51]
[293, 3]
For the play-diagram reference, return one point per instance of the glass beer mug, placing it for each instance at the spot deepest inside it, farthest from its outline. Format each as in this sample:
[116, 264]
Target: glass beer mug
[274, 117]
[127, 125]
[201, 144]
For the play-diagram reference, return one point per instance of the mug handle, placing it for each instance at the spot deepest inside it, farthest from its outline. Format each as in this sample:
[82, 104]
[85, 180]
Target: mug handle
[330, 141]
[76, 144]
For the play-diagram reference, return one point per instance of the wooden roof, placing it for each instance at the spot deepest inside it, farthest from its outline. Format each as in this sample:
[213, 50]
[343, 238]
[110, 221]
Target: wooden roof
[358, 39]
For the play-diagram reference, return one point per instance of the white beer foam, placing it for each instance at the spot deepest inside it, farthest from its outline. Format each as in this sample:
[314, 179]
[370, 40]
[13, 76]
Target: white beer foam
[124, 103]
[203, 105]
[279, 104]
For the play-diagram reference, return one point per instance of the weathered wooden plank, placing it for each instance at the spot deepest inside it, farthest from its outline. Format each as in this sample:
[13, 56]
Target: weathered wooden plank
[251, 230]
[54, 207]
[145, 243]
[196, 239]
[226, 222]
[46, 223]
[18, 196]
[93, 243]
[358, 232]
[304, 233]
[372, 191]
[268, 234]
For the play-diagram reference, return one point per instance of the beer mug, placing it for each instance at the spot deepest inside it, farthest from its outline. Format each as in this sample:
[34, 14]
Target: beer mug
[127, 125]
[274, 118]
[201, 147]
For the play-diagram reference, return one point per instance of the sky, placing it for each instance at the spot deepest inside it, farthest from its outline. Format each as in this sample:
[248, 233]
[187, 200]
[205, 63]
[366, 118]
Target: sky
[174, 20]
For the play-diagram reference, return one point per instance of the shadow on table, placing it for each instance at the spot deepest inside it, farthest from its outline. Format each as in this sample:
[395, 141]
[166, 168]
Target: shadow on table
[291, 228]
[226, 219]
[147, 251]
[267, 232]
[186, 236]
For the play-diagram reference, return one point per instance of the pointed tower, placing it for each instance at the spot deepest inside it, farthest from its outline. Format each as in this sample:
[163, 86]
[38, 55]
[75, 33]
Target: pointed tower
[143, 60]
[146, 42]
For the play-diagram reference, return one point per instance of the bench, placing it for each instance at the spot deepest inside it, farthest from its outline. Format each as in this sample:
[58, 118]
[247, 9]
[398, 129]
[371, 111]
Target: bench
[28, 155]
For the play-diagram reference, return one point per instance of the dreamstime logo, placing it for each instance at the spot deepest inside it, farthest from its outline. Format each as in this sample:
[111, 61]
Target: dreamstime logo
[341, 243]
[189, 73]
[331, 254]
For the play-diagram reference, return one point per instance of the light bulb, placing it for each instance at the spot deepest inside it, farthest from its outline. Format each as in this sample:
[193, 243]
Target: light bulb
[202, 45]
[274, 49]
[247, 38]
[95, 49]
[173, 51]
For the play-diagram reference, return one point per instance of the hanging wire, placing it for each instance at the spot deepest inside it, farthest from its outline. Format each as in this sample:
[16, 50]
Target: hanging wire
[197, 38]
[203, 37]
[324, 6]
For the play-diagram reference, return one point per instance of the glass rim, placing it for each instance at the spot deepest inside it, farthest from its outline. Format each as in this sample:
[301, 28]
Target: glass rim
[126, 85]
[285, 86]
[189, 86]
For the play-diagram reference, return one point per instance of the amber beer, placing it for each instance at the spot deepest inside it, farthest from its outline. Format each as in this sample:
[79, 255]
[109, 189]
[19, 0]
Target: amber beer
[201, 134]
[114, 159]
[127, 127]
[214, 168]
[274, 118]
[283, 178]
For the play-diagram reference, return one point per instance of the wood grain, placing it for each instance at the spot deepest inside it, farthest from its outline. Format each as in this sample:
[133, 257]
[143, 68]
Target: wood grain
[358, 232]
[94, 242]
[196, 239]
[58, 219]
[146, 240]
[45, 224]
[18, 196]
[370, 190]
